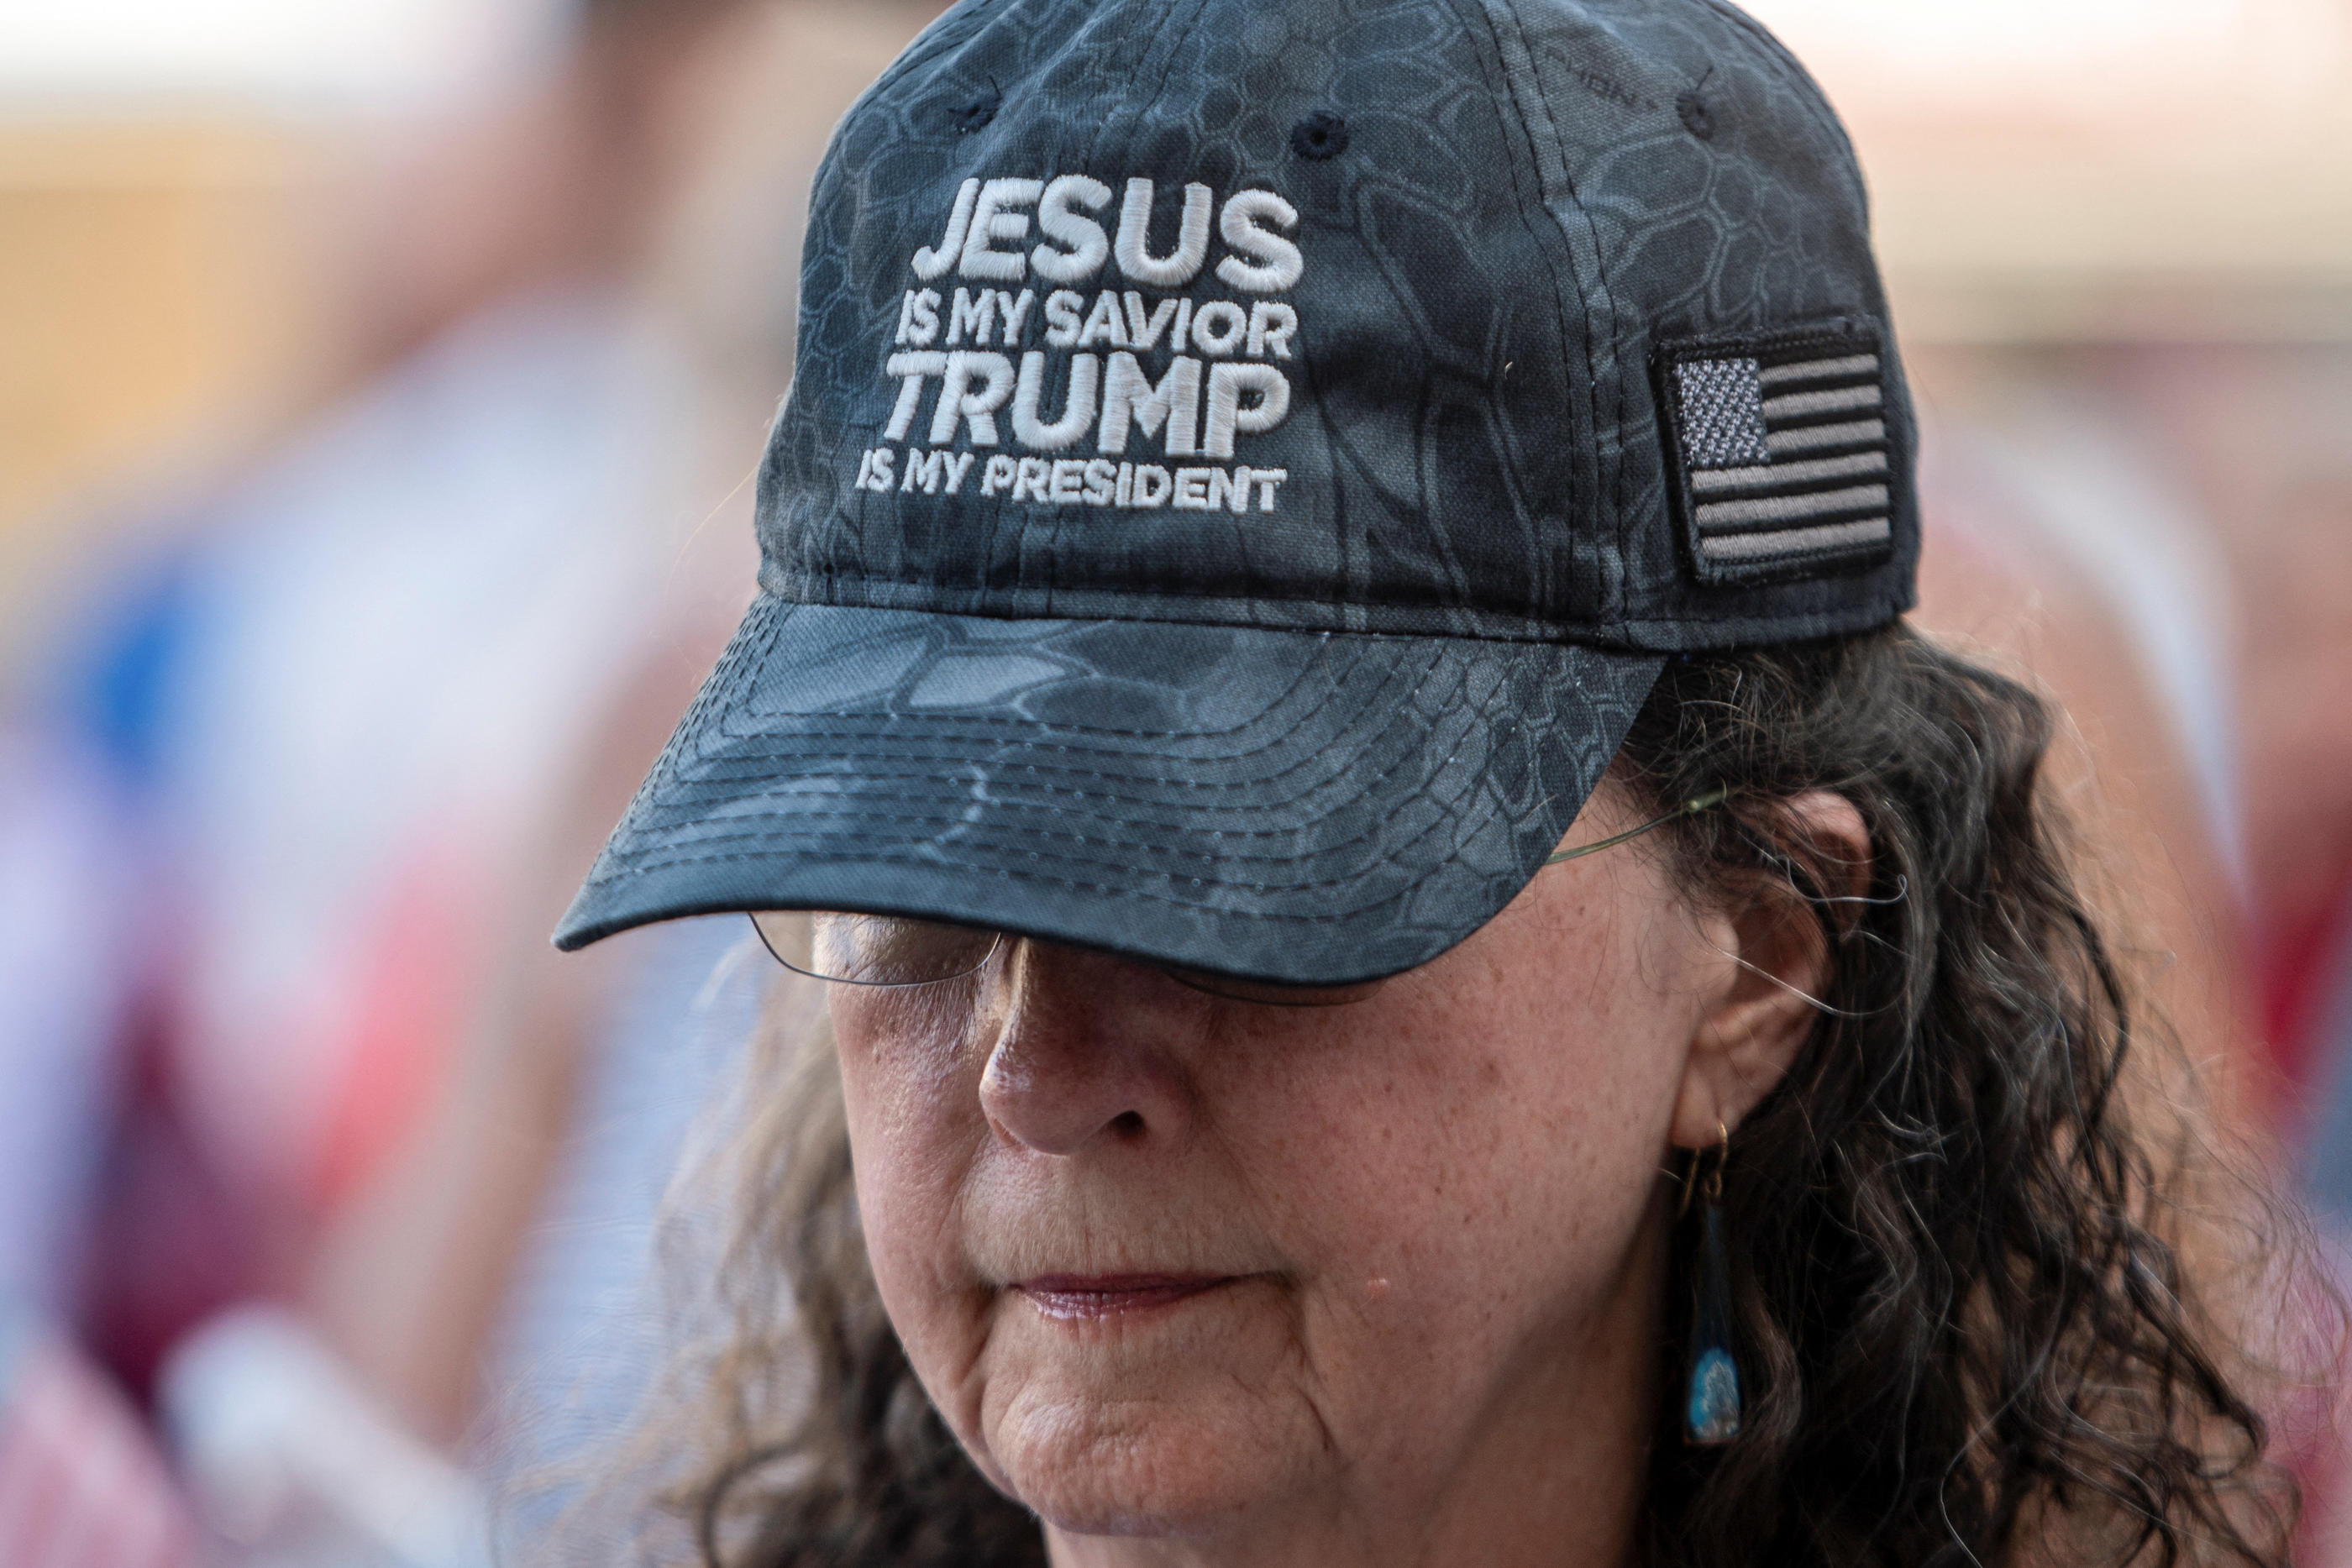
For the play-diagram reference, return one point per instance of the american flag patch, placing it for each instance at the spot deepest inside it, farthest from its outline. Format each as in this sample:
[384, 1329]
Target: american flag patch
[1781, 453]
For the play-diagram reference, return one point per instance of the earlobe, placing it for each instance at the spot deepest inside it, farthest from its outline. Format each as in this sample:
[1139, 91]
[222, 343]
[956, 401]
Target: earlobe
[1781, 967]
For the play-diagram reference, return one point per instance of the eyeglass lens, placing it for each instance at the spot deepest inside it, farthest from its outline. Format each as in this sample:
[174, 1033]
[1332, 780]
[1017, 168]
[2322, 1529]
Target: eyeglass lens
[874, 949]
[891, 950]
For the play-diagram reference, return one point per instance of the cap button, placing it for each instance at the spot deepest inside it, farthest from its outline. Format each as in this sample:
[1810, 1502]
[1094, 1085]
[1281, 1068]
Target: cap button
[1320, 135]
[1698, 119]
[976, 114]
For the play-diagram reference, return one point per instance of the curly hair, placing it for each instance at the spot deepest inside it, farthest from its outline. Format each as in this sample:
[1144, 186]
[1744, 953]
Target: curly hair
[1968, 1289]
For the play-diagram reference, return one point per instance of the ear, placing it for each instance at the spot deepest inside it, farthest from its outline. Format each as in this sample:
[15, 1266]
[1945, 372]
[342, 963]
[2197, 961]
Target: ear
[1776, 960]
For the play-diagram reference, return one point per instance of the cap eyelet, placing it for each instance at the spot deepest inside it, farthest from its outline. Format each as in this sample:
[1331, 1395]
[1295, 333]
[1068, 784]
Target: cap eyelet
[1319, 136]
[975, 115]
[1698, 119]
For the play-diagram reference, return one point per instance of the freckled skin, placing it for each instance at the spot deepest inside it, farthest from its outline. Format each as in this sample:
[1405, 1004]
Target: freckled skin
[1439, 1210]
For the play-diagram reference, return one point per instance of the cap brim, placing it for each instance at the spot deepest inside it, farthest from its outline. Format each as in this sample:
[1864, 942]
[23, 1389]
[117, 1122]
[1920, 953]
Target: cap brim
[1314, 807]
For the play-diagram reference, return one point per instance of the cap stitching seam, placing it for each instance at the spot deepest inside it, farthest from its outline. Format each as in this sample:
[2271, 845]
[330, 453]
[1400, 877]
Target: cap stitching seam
[1175, 42]
[1584, 302]
[1022, 844]
[1782, 626]
[1385, 601]
[1378, 777]
[1533, 226]
[1107, 797]
[1447, 813]
[1807, 93]
[1052, 810]
[1609, 297]
[954, 28]
[1797, 627]
[1539, 633]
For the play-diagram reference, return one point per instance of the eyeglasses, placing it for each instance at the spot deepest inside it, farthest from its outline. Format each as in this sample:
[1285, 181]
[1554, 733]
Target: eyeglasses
[893, 951]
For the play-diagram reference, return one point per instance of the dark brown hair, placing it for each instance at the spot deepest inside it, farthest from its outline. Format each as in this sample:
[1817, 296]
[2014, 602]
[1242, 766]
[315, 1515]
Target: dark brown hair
[1968, 1288]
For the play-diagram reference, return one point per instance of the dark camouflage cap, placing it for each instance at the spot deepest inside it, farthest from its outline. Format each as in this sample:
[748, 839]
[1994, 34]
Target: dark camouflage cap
[1248, 461]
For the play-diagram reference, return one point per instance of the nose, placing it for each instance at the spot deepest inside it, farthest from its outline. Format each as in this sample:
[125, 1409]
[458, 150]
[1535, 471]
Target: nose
[1084, 1052]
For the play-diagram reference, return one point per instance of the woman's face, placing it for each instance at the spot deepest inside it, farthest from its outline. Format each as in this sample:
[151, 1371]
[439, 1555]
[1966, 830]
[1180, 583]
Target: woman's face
[1176, 1265]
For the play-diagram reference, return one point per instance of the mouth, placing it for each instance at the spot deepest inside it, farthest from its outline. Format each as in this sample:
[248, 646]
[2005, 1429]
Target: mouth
[1080, 1298]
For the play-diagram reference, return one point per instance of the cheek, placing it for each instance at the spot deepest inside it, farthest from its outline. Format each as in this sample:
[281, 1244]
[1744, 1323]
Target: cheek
[1582, 1055]
[910, 1091]
[1476, 1170]
[1480, 1159]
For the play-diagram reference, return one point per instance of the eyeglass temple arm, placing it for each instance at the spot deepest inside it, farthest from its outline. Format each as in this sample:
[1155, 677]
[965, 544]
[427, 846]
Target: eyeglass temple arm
[1687, 809]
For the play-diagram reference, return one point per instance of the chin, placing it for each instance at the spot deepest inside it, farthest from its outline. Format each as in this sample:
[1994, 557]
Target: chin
[1151, 1470]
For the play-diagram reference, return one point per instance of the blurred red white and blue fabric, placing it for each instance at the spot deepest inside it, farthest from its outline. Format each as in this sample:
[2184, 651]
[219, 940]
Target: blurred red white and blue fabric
[309, 751]
[81, 1485]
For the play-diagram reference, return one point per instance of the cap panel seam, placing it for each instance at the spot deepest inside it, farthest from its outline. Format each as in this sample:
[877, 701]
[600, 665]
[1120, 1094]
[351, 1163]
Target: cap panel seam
[1609, 301]
[1808, 91]
[947, 32]
[1130, 113]
[1514, 133]
[1173, 39]
[1614, 608]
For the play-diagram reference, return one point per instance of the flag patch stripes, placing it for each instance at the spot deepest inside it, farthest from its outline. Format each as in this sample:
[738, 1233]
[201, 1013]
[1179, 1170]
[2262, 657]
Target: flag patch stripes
[1781, 449]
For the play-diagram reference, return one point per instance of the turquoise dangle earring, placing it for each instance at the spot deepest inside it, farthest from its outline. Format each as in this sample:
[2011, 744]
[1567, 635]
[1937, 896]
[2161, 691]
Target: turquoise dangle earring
[1711, 1405]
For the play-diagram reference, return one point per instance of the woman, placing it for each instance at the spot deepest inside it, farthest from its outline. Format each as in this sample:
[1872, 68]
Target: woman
[1265, 485]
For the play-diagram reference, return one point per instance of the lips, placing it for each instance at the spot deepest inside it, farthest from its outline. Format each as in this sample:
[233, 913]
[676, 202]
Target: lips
[1089, 1297]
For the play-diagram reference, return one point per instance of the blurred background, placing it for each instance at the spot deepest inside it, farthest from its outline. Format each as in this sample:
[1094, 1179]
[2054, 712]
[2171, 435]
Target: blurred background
[380, 387]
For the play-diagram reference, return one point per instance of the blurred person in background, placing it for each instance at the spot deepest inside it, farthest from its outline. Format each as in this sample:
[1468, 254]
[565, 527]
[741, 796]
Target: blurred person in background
[2060, 547]
[537, 1316]
[274, 796]
[81, 1482]
[2305, 647]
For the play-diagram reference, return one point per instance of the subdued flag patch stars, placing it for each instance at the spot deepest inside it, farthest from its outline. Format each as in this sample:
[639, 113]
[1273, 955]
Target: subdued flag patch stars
[1782, 452]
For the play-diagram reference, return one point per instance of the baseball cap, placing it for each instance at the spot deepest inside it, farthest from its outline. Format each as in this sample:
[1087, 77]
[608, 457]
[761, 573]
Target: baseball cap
[1248, 460]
